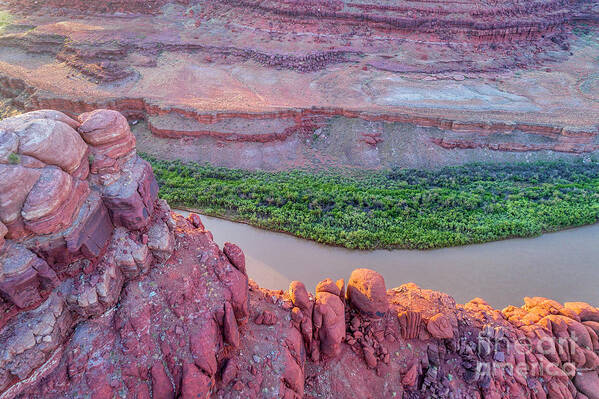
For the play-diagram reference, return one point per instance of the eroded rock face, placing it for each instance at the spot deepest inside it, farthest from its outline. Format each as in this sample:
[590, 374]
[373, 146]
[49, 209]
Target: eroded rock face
[109, 305]
[61, 258]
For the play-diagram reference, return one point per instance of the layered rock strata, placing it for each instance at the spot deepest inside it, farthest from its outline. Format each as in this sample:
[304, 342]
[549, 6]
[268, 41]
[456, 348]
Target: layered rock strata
[499, 21]
[105, 293]
[266, 84]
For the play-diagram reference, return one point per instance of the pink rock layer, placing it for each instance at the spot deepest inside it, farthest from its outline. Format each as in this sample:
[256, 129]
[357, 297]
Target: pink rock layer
[155, 309]
[304, 122]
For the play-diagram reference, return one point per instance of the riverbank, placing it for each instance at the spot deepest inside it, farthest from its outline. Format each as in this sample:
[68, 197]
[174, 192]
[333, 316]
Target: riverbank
[411, 209]
[559, 265]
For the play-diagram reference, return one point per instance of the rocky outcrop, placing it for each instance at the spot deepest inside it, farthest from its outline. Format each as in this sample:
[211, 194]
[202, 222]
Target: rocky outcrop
[63, 258]
[121, 297]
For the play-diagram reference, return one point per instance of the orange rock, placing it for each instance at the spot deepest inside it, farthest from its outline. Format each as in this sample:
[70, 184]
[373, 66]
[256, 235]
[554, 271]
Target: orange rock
[585, 311]
[366, 292]
[440, 327]
[410, 322]
[329, 286]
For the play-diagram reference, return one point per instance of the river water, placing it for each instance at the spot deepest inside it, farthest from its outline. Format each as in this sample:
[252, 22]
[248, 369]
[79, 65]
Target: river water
[563, 266]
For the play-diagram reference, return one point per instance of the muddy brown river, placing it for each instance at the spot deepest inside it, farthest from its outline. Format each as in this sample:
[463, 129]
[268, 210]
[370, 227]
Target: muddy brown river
[563, 266]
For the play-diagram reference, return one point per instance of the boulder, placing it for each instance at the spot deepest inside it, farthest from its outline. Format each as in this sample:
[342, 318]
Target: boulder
[235, 256]
[162, 387]
[53, 202]
[52, 142]
[16, 182]
[196, 222]
[195, 384]
[329, 286]
[23, 119]
[231, 330]
[161, 241]
[131, 198]
[203, 345]
[411, 377]
[299, 295]
[104, 126]
[266, 318]
[587, 382]
[23, 274]
[367, 293]
[440, 327]
[585, 311]
[51, 190]
[329, 321]
[111, 143]
[292, 376]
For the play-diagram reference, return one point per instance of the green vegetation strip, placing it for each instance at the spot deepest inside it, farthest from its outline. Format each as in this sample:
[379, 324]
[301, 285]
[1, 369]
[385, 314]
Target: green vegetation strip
[395, 208]
[5, 19]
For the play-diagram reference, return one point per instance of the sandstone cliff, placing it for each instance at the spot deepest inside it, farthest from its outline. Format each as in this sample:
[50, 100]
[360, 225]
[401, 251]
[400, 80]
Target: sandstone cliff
[105, 293]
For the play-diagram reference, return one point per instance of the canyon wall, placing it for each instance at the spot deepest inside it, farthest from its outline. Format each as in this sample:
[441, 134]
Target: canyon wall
[285, 84]
[497, 21]
[104, 292]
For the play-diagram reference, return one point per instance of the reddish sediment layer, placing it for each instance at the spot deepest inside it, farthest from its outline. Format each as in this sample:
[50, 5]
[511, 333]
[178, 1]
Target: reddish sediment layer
[304, 122]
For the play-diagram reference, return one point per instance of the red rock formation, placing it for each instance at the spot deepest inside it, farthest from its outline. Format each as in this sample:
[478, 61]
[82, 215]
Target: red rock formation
[105, 6]
[108, 305]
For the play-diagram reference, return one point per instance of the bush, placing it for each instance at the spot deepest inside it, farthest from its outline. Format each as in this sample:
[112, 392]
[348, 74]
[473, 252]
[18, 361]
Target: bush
[396, 208]
[14, 159]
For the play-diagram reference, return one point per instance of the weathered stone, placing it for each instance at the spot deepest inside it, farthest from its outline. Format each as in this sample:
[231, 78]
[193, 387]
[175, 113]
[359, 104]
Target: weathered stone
[3, 231]
[440, 327]
[53, 202]
[16, 122]
[195, 385]
[235, 256]
[585, 311]
[23, 274]
[161, 241]
[410, 322]
[52, 142]
[131, 198]
[366, 292]
[329, 320]
[133, 258]
[162, 386]
[299, 295]
[51, 190]
[203, 344]
[587, 383]
[231, 330]
[329, 286]
[15, 184]
[104, 126]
